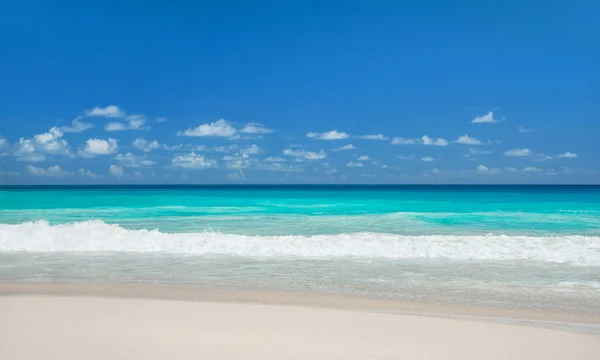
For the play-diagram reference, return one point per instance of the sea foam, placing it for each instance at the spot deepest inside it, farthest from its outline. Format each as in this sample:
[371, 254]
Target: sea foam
[97, 236]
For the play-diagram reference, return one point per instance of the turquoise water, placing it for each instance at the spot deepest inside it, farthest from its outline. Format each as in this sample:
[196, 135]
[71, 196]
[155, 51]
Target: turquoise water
[317, 210]
[506, 246]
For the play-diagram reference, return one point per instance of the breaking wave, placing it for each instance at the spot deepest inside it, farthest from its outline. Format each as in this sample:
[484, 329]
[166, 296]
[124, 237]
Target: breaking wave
[97, 236]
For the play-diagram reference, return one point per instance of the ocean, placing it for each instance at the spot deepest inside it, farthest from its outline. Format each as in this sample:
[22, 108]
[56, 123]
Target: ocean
[508, 247]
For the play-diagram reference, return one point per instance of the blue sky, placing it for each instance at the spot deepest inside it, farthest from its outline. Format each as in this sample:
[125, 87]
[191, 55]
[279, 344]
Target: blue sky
[299, 92]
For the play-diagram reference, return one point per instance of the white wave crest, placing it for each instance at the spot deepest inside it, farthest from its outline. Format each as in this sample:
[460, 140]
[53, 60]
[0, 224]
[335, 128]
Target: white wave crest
[97, 236]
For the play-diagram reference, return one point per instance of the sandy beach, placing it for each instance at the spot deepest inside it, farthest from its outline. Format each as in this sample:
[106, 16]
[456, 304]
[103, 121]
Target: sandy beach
[61, 327]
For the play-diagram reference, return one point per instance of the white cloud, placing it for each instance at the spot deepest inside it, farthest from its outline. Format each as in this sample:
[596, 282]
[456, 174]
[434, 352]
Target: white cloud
[437, 142]
[345, 147]
[110, 111]
[145, 145]
[220, 128]
[193, 161]
[308, 155]
[35, 149]
[172, 147]
[486, 170]
[54, 171]
[133, 161]
[518, 152]
[138, 174]
[328, 135]
[116, 170]
[532, 169]
[372, 137]
[95, 147]
[427, 158]
[363, 158]
[51, 142]
[487, 118]
[160, 119]
[406, 157]
[367, 175]
[255, 128]
[523, 130]
[512, 169]
[88, 173]
[250, 150]
[403, 141]
[435, 171]
[26, 151]
[354, 164]
[566, 155]
[134, 122]
[77, 126]
[467, 140]
[238, 162]
[275, 159]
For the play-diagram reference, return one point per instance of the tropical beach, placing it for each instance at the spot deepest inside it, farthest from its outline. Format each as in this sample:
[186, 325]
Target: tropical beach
[299, 180]
[426, 273]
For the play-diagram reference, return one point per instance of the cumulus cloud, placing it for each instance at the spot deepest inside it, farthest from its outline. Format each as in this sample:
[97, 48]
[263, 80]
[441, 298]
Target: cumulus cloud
[435, 142]
[111, 111]
[51, 142]
[133, 122]
[532, 169]
[160, 119]
[116, 170]
[467, 140]
[219, 128]
[328, 135]
[133, 161]
[487, 118]
[403, 141]
[77, 126]
[427, 158]
[566, 155]
[251, 150]
[25, 151]
[406, 157]
[482, 169]
[367, 175]
[145, 145]
[87, 173]
[255, 128]
[95, 147]
[372, 137]
[53, 171]
[518, 152]
[36, 149]
[308, 155]
[193, 161]
[363, 158]
[345, 147]
[523, 130]
[354, 164]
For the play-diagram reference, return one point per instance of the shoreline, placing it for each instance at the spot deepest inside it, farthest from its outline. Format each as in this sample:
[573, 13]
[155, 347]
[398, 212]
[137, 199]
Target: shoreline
[571, 322]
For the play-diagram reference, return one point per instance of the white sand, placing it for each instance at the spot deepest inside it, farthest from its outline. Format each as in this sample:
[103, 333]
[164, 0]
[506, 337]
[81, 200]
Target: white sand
[94, 328]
